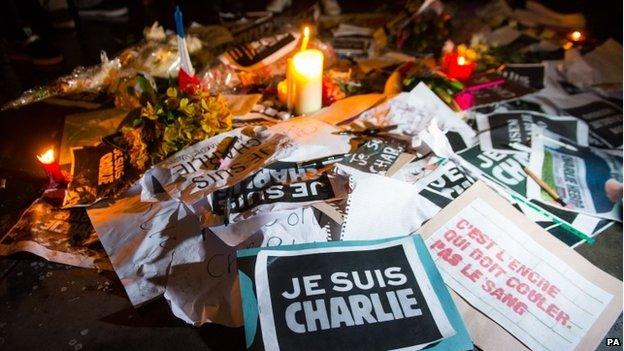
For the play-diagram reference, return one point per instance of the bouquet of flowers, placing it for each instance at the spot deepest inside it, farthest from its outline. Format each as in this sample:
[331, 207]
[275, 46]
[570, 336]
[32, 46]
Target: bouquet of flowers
[173, 121]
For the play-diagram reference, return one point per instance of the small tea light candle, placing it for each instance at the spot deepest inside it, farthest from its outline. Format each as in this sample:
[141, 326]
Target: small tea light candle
[576, 37]
[51, 167]
[307, 81]
[458, 67]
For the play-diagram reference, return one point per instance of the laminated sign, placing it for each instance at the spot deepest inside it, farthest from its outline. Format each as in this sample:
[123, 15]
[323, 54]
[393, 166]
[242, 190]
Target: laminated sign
[378, 295]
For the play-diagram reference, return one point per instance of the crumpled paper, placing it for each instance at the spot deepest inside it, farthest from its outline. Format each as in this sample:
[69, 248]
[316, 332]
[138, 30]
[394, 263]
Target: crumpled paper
[601, 68]
[159, 244]
[159, 249]
[412, 112]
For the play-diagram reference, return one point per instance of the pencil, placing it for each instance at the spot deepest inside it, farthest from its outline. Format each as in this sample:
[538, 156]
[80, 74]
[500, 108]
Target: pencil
[544, 186]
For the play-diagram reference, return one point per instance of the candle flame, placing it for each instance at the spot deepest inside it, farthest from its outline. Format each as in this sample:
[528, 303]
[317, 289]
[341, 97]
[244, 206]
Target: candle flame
[46, 157]
[576, 35]
[461, 60]
[306, 38]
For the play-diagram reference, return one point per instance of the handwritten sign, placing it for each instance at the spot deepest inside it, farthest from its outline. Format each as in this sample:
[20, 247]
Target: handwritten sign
[374, 156]
[517, 281]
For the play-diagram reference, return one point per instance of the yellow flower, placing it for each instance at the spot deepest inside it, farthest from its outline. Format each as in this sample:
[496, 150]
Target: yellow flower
[172, 92]
[461, 49]
[467, 52]
[471, 54]
[204, 105]
[149, 112]
[186, 108]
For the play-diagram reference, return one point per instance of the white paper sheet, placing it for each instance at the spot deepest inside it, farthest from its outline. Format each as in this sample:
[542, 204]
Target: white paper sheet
[140, 238]
[381, 207]
[312, 139]
[601, 67]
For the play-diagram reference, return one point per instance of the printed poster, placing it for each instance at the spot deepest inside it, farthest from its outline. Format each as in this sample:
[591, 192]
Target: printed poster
[378, 157]
[444, 184]
[506, 171]
[578, 174]
[511, 131]
[604, 118]
[378, 295]
[59, 235]
[279, 186]
[527, 74]
[518, 288]
[97, 172]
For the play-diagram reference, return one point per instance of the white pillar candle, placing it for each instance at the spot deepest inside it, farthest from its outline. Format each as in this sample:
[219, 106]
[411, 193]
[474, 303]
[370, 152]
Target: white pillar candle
[307, 76]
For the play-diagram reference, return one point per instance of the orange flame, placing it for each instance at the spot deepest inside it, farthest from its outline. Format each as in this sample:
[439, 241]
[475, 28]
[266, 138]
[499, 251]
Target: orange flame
[47, 157]
[306, 38]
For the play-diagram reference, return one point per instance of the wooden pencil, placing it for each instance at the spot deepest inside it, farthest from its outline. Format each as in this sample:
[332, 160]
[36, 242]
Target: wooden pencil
[544, 186]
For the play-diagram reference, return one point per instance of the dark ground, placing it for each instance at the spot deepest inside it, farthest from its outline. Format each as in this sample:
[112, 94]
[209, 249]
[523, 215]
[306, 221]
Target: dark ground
[45, 306]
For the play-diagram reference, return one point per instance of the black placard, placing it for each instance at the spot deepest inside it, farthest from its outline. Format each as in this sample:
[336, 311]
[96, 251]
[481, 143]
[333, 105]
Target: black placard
[392, 332]
[603, 118]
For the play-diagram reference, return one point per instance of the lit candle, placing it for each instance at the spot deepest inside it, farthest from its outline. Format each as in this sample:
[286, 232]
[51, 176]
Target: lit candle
[576, 37]
[458, 67]
[282, 92]
[306, 38]
[51, 167]
[307, 77]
